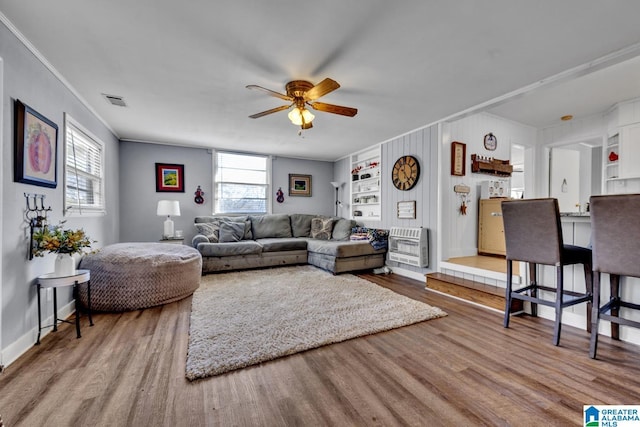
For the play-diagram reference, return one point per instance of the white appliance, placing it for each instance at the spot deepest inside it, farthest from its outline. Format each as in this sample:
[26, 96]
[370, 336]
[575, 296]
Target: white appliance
[409, 245]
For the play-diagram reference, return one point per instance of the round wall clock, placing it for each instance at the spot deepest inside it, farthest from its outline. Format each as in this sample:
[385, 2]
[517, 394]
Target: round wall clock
[405, 173]
[490, 141]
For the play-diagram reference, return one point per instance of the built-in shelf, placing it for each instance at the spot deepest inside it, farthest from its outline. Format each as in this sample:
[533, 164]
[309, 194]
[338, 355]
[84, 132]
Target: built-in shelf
[365, 184]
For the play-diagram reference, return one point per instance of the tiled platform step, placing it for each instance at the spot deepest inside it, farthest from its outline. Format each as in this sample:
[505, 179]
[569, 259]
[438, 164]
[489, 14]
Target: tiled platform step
[480, 293]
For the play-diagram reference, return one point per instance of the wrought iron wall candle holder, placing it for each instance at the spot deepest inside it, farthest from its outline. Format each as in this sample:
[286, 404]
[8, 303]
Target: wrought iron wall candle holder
[36, 215]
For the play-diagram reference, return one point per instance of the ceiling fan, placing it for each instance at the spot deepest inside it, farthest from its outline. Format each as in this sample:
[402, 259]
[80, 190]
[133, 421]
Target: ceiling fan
[301, 93]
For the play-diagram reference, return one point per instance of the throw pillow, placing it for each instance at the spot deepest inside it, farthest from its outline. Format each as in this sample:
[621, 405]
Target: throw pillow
[342, 229]
[321, 228]
[231, 231]
[209, 229]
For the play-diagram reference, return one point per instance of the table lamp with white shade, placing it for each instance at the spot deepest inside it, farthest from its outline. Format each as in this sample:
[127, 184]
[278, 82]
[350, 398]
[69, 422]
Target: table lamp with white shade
[168, 208]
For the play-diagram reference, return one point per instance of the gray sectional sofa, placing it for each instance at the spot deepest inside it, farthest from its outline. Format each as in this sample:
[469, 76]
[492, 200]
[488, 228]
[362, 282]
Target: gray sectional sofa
[242, 242]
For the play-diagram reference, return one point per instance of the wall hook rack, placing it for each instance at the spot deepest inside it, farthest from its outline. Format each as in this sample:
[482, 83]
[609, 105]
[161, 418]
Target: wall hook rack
[35, 214]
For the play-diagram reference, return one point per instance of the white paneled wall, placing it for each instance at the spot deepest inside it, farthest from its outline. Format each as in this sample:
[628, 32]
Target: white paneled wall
[423, 144]
[460, 232]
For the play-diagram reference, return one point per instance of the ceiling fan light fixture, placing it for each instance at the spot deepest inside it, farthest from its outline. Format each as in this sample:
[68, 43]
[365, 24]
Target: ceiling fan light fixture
[300, 116]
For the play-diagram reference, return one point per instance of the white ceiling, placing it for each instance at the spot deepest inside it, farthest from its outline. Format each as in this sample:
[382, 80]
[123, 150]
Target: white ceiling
[182, 67]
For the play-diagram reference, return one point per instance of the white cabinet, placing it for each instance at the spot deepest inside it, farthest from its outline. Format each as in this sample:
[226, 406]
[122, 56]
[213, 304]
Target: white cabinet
[365, 185]
[621, 154]
[630, 151]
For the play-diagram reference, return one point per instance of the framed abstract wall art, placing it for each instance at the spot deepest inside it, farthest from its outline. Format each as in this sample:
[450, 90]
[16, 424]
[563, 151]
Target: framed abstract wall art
[35, 149]
[169, 178]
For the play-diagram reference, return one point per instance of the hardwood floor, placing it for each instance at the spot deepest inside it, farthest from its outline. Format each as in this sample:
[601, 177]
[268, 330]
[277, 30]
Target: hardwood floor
[464, 369]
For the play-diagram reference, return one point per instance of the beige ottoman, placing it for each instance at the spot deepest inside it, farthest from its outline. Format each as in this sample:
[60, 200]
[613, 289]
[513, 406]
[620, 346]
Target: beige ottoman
[132, 276]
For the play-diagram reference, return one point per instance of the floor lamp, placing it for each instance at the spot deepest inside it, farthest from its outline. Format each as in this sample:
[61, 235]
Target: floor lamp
[337, 186]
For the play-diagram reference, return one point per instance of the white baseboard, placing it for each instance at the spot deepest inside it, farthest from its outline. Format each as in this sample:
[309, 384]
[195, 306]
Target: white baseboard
[408, 273]
[17, 348]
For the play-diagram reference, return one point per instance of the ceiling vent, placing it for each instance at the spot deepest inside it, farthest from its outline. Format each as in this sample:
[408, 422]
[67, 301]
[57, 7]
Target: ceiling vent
[115, 100]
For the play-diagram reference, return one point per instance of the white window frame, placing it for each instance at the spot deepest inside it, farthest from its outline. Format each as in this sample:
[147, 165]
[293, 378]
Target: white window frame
[72, 209]
[214, 157]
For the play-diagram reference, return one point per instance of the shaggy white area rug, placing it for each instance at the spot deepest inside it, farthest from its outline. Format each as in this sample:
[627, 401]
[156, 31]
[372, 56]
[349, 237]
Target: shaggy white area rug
[243, 318]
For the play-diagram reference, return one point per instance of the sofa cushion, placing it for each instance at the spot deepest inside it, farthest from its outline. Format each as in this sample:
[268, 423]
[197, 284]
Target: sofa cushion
[231, 231]
[210, 230]
[245, 247]
[342, 229]
[283, 244]
[273, 225]
[321, 228]
[209, 226]
[301, 224]
[341, 249]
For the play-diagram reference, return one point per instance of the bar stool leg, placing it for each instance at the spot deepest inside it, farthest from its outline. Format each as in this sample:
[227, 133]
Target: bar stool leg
[533, 281]
[507, 307]
[558, 306]
[588, 280]
[595, 316]
[615, 308]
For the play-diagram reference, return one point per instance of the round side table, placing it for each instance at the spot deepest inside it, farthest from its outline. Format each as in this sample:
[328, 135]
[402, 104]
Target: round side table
[55, 281]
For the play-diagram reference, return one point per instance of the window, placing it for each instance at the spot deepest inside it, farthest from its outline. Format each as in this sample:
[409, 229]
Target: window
[83, 171]
[241, 183]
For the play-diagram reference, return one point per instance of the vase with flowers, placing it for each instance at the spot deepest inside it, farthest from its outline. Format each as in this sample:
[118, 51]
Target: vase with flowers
[63, 242]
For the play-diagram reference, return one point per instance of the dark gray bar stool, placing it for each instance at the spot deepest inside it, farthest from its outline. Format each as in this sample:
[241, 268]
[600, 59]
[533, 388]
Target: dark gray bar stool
[615, 230]
[533, 235]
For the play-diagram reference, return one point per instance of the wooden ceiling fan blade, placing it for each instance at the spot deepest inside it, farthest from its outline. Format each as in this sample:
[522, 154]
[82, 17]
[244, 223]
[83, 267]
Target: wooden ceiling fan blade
[335, 109]
[273, 110]
[270, 92]
[324, 87]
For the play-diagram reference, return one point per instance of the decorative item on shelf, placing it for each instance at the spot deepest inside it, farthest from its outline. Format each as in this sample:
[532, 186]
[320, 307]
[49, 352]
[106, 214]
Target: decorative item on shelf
[357, 213]
[279, 195]
[337, 186]
[365, 176]
[199, 193]
[491, 166]
[463, 191]
[35, 215]
[458, 158]
[63, 242]
[168, 208]
[613, 156]
[490, 141]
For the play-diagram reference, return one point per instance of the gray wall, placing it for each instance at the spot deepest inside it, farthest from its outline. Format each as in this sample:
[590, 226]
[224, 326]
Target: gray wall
[25, 78]
[322, 200]
[139, 199]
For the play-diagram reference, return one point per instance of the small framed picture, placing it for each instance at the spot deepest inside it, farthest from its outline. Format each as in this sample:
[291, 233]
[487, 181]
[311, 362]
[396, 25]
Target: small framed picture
[407, 210]
[299, 185]
[36, 148]
[169, 178]
[458, 158]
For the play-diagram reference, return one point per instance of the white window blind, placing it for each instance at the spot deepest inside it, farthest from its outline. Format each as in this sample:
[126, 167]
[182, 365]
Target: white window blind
[241, 183]
[84, 160]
